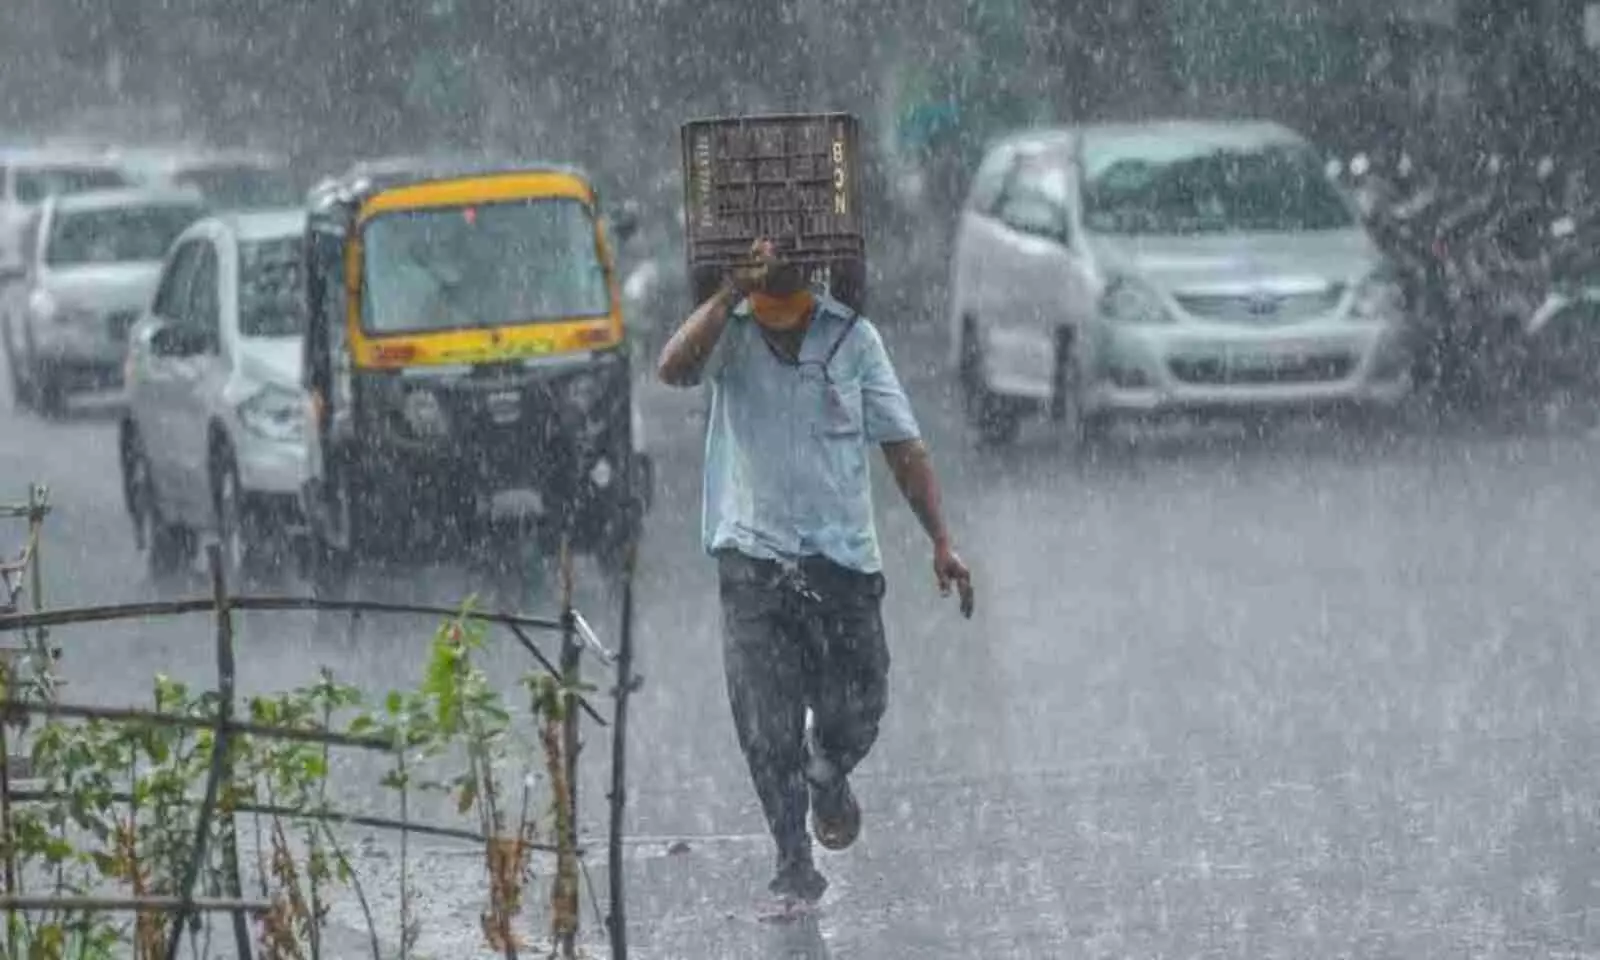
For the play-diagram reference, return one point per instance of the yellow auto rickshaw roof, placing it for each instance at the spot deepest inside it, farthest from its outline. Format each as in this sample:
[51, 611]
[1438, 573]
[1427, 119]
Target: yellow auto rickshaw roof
[471, 189]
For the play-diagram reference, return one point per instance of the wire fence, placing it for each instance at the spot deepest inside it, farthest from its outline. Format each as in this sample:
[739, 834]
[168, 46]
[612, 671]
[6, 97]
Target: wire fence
[578, 643]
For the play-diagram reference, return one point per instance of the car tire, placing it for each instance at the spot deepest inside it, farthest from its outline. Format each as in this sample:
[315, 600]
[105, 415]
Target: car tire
[21, 395]
[241, 534]
[168, 547]
[996, 418]
[49, 392]
[1088, 429]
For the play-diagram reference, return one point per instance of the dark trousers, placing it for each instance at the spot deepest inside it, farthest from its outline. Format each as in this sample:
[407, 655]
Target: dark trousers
[793, 639]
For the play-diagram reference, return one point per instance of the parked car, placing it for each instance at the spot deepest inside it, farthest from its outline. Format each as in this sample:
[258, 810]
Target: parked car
[28, 176]
[229, 179]
[212, 441]
[91, 268]
[1201, 267]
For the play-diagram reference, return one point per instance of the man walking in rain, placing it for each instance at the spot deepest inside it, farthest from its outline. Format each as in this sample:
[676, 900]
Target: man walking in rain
[801, 385]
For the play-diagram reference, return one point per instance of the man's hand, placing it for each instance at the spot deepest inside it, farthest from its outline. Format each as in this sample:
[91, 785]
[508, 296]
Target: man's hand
[948, 569]
[751, 275]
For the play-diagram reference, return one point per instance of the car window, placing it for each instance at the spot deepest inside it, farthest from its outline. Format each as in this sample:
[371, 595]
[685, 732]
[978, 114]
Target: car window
[34, 184]
[1035, 199]
[1158, 188]
[991, 176]
[204, 303]
[270, 291]
[116, 234]
[499, 263]
[172, 295]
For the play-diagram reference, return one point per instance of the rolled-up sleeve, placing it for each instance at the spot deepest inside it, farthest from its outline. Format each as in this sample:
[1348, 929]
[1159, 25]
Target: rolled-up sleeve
[886, 410]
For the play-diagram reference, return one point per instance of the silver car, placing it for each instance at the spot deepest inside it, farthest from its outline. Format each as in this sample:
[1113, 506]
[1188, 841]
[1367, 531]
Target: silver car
[91, 268]
[28, 176]
[1129, 270]
[213, 443]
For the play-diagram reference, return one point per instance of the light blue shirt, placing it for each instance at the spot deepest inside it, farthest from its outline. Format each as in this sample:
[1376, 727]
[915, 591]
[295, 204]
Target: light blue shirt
[787, 445]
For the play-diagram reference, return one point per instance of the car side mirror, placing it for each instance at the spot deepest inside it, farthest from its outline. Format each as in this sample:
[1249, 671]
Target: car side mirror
[178, 340]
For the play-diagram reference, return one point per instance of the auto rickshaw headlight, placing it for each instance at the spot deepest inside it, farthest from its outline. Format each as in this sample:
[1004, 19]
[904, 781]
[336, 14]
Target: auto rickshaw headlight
[425, 414]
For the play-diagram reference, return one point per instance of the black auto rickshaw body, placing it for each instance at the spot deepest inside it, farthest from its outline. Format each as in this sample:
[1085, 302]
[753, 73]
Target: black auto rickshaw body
[465, 340]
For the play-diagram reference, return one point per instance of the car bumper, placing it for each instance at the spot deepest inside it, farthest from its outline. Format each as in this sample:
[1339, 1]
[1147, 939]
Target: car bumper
[1156, 369]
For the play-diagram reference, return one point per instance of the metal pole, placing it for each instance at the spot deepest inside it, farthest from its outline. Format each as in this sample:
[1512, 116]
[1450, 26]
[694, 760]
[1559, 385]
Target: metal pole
[571, 676]
[616, 921]
[219, 758]
[230, 835]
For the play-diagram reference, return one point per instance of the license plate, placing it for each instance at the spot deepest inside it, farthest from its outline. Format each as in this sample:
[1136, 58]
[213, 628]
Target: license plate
[1269, 357]
[505, 406]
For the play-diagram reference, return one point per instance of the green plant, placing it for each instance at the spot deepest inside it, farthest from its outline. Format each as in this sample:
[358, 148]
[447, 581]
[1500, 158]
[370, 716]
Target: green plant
[119, 805]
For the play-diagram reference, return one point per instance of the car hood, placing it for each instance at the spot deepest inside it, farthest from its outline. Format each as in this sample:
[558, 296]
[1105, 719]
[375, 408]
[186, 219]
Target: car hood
[1234, 262]
[271, 360]
[104, 286]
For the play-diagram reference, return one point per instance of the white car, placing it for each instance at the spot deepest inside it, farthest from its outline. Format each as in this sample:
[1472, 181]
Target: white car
[29, 176]
[90, 270]
[1190, 267]
[213, 442]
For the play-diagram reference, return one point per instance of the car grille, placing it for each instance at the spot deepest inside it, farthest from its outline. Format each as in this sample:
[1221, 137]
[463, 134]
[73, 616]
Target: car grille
[1262, 309]
[119, 322]
[1315, 368]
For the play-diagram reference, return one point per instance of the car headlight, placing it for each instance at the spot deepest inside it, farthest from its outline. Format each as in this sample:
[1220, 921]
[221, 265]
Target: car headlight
[1132, 302]
[274, 414]
[425, 414]
[1378, 298]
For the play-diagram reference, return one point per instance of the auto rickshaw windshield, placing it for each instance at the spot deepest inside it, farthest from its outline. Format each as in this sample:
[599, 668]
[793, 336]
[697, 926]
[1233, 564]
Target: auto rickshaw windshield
[496, 264]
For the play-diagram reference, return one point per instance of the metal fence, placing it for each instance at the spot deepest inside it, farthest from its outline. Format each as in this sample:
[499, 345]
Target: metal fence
[578, 643]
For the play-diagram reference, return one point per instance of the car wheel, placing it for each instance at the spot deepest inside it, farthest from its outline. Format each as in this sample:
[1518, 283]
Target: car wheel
[996, 418]
[168, 547]
[21, 395]
[240, 532]
[1088, 428]
[49, 392]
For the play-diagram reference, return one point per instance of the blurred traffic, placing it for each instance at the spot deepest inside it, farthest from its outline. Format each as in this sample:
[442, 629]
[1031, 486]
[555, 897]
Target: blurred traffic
[1096, 275]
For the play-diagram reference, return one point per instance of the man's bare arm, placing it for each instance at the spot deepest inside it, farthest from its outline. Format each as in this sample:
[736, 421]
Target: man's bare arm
[683, 359]
[913, 474]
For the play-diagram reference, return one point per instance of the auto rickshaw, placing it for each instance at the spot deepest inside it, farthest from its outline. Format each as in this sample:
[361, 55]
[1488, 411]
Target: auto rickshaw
[465, 341]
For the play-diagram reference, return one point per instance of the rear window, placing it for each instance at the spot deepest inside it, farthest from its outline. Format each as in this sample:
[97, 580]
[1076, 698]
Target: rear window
[271, 294]
[34, 184]
[117, 234]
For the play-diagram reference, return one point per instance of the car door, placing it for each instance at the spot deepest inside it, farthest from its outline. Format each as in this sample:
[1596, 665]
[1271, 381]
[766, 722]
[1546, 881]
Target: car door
[979, 244]
[155, 390]
[194, 377]
[1032, 213]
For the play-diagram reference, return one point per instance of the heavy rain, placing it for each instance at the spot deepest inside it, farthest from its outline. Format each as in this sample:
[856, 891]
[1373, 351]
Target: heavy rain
[1240, 350]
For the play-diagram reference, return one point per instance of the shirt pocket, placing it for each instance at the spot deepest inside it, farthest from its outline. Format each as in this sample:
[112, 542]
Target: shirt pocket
[840, 416]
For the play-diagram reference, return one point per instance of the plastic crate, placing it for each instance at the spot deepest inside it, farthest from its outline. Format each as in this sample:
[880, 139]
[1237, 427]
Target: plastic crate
[794, 179]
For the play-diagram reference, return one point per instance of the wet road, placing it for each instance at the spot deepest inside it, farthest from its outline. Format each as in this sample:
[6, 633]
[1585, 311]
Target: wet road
[1305, 696]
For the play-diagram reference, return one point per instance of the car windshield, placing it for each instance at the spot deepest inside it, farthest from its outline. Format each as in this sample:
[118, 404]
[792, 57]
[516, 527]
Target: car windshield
[242, 187]
[270, 292]
[117, 234]
[34, 184]
[489, 265]
[1277, 188]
